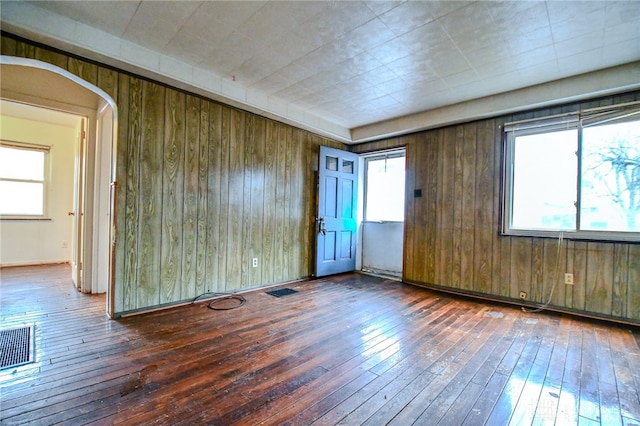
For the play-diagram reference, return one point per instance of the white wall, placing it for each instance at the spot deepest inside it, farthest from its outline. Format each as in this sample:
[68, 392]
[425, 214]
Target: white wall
[382, 247]
[28, 242]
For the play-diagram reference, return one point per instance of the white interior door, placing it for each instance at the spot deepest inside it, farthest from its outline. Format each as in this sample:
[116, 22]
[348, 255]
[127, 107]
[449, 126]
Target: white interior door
[336, 221]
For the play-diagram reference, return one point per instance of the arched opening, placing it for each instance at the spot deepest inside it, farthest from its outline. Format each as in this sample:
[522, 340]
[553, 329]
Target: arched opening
[40, 84]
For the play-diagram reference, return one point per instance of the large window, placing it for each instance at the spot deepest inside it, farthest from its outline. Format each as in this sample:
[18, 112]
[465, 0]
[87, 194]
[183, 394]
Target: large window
[384, 188]
[23, 183]
[576, 173]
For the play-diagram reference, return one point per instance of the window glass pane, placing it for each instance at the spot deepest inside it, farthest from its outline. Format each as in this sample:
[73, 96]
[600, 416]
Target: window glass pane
[332, 163]
[545, 171]
[21, 164]
[610, 191]
[21, 198]
[347, 166]
[385, 190]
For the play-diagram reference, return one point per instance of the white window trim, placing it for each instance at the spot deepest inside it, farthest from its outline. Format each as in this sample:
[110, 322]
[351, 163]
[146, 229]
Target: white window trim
[45, 182]
[575, 120]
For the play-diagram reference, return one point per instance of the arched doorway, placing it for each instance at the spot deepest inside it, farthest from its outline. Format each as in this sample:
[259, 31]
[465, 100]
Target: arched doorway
[44, 85]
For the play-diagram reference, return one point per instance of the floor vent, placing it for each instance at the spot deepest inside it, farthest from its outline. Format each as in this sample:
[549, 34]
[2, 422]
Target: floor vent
[16, 347]
[281, 292]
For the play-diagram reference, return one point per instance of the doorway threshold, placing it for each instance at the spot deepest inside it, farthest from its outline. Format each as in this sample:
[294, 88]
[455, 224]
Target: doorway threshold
[390, 275]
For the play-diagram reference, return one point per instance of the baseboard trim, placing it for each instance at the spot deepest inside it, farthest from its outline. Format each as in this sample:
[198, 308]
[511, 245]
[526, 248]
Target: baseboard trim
[524, 304]
[33, 263]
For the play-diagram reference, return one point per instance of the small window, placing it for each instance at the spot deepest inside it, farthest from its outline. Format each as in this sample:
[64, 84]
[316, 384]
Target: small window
[347, 166]
[332, 163]
[384, 188]
[23, 180]
[576, 173]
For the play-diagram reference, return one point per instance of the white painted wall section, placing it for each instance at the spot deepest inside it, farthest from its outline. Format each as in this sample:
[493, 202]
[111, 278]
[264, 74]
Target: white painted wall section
[32, 242]
[382, 247]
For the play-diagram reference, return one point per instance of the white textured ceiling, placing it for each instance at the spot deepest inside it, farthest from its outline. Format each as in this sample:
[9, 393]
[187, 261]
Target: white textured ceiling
[354, 63]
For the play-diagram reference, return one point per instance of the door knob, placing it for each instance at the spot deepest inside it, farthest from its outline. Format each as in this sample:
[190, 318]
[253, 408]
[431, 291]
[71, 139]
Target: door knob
[71, 214]
[321, 228]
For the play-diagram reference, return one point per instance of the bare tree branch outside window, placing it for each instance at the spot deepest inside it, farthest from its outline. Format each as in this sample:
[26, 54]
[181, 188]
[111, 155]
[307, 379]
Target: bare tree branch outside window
[611, 177]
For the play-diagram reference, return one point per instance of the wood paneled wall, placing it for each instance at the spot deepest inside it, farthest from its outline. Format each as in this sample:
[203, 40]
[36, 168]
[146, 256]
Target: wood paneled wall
[451, 232]
[203, 188]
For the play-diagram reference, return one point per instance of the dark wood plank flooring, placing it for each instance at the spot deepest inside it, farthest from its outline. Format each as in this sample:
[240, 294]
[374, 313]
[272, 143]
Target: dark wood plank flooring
[350, 349]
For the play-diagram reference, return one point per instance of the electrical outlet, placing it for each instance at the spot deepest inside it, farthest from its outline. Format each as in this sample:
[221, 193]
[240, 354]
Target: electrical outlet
[523, 295]
[255, 262]
[568, 278]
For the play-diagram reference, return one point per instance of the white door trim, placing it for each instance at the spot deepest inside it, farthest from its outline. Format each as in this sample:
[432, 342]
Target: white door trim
[100, 173]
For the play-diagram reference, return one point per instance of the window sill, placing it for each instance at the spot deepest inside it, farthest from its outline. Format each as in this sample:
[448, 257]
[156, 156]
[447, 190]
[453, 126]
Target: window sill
[382, 221]
[24, 218]
[599, 237]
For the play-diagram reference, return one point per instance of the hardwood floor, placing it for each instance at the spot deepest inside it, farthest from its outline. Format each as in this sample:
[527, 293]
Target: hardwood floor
[350, 349]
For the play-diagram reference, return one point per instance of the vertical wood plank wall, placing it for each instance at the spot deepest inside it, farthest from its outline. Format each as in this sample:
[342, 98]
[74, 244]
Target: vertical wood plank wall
[451, 232]
[203, 189]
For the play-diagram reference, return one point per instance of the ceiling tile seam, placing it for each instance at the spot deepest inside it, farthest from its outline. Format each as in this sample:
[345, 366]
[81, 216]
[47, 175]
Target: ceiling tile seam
[277, 71]
[182, 26]
[461, 53]
[462, 6]
[604, 30]
[396, 4]
[312, 76]
[553, 37]
[126, 28]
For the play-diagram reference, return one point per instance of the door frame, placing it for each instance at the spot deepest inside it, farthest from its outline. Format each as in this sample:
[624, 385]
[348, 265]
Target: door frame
[78, 204]
[400, 151]
[99, 174]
